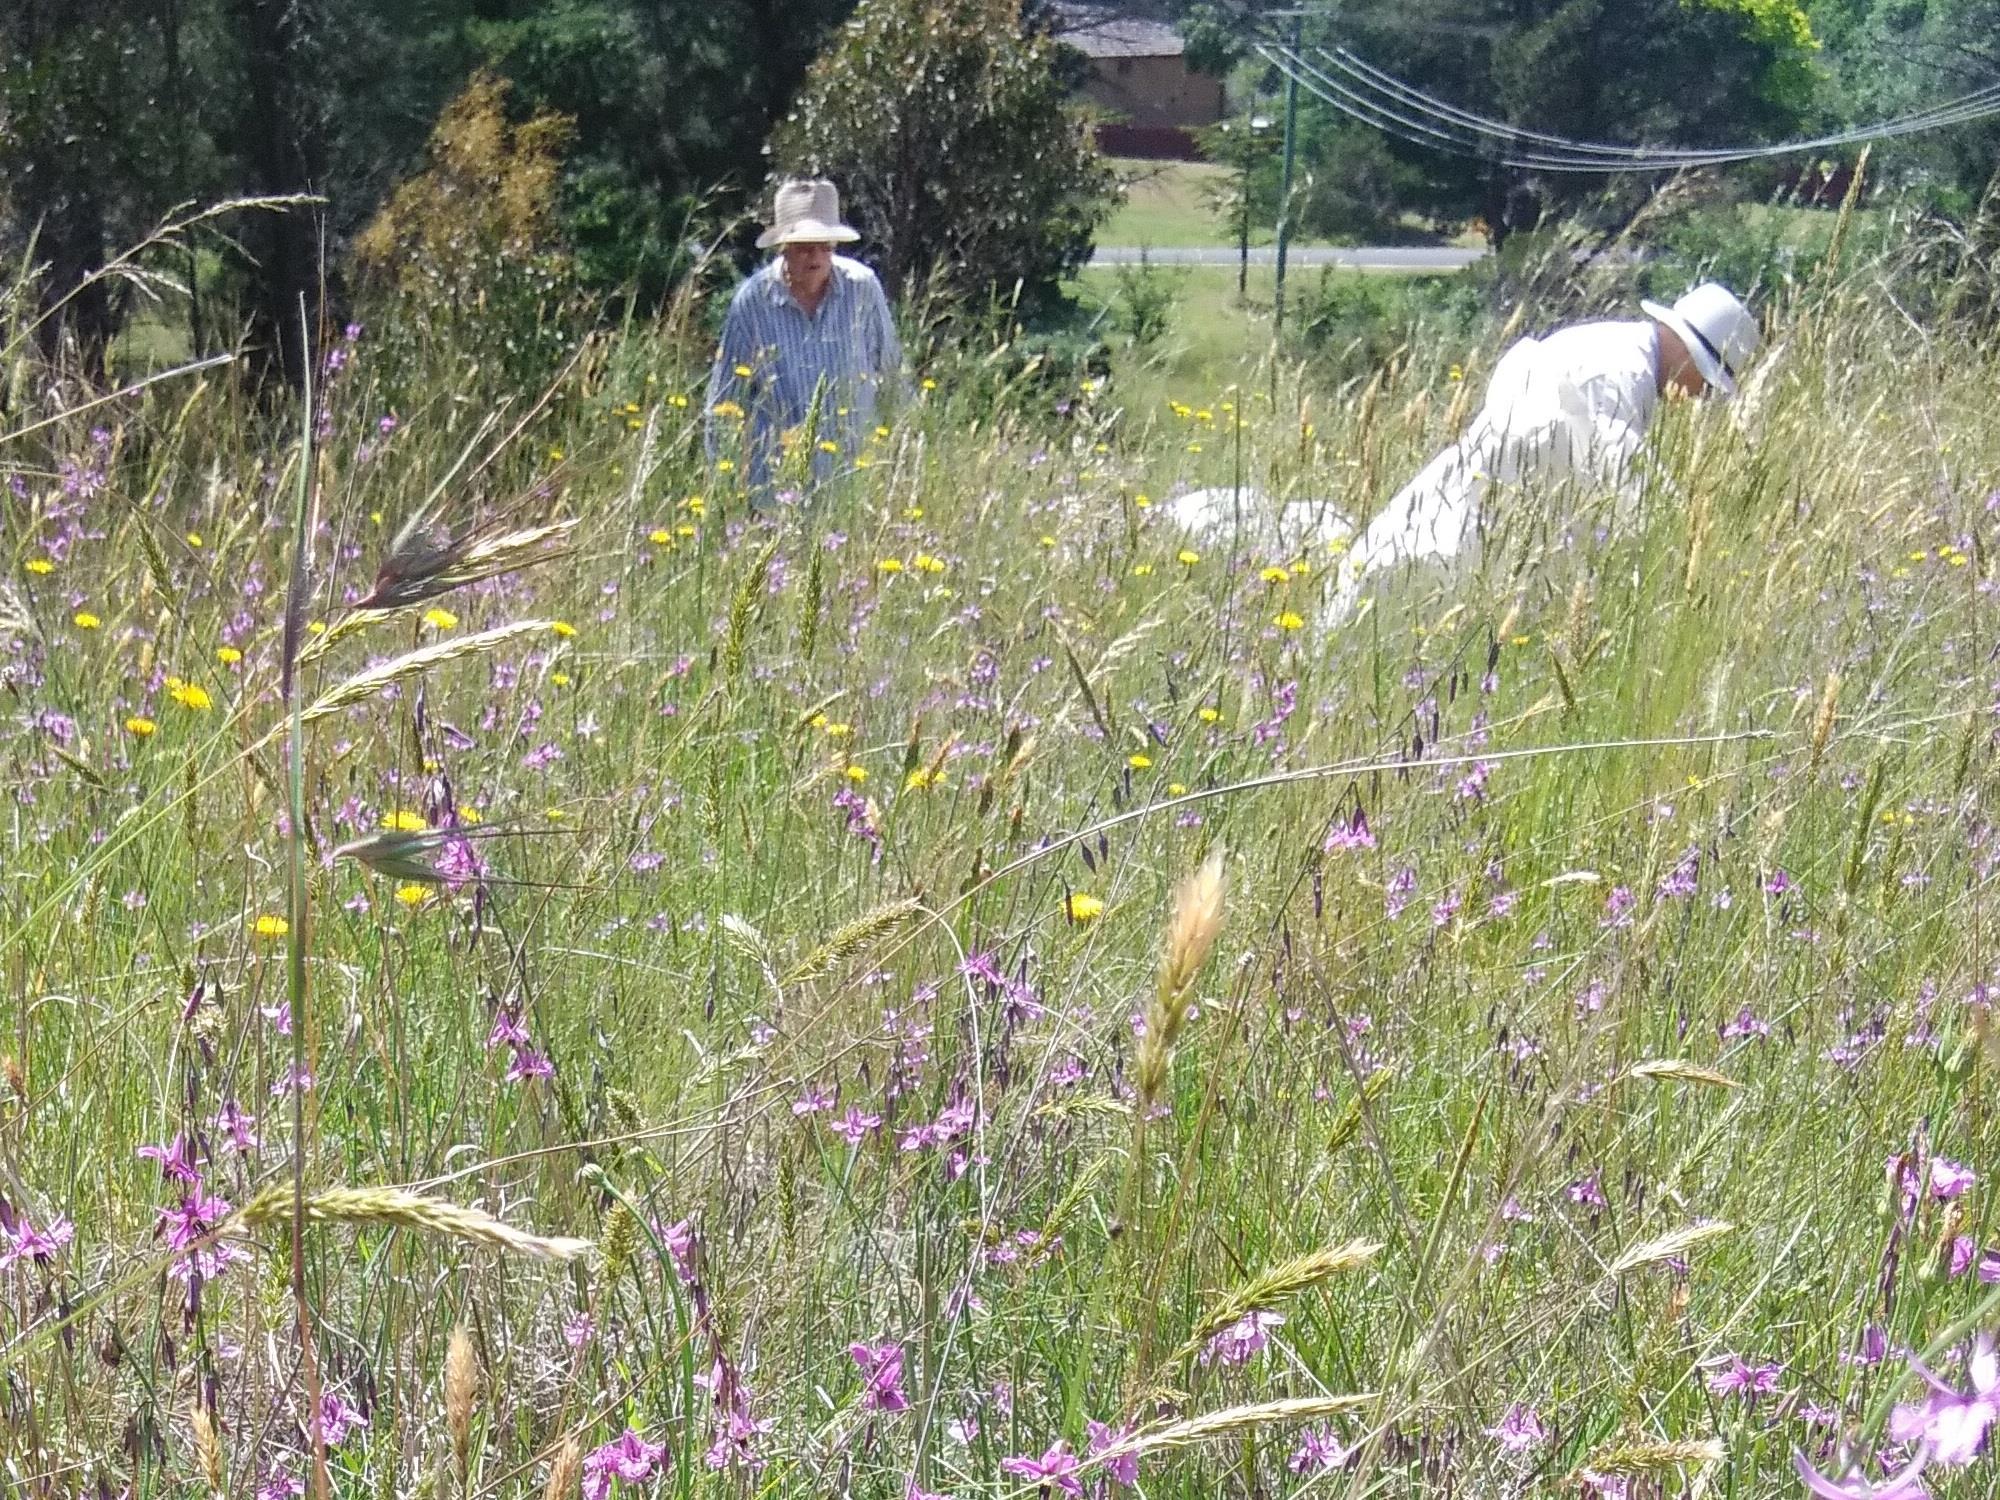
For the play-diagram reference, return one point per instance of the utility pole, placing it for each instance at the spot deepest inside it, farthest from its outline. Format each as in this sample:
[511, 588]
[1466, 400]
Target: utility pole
[1285, 177]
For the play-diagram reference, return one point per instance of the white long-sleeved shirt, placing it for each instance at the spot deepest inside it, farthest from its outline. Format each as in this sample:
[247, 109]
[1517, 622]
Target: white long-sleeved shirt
[1573, 405]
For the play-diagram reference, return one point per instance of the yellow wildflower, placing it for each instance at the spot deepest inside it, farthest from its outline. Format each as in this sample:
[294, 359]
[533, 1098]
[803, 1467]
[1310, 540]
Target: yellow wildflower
[404, 821]
[839, 730]
[857, 774]
[440, 619]
[190, 695]
[1139, 762]
[140, 727]
[229, 656]
[1289, 620]
[889, 565]
[1142, 570]
[563, 628]
[270, 926]
[83, 619]
[659, 536]
[467, 813]
[1176, 789]
[1210, 716]
[743, 372]
[1275, 575]
[194, 539]
[560, 679]
[1083, 907]
[928, 383]
[1143, 502]
[1187, 557]
[40, 565]
[917, 780]
[412, 895]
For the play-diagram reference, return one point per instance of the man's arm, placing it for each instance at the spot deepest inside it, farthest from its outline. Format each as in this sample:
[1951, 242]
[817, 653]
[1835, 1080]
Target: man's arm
[723, 382]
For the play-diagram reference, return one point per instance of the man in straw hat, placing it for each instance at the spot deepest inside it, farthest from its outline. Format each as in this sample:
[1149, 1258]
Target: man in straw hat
[806, 349]
[1572, 405]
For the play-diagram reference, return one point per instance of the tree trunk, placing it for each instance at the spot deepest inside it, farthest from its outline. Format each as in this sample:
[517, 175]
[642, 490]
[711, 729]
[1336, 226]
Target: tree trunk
[282, 146]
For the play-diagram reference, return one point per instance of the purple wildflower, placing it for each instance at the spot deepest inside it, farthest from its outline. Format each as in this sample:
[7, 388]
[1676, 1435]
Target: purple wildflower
[1320, 1450]
[1739, 1377]
[1952, 1425]
[854, 1125]
[881, 1374]
[1122, 1467]
[1853, 1486]
[1057, 1468]
[628, 1457]
[1519, 1430]
[1242, 1340]
[176, 1160]
[25, 1242]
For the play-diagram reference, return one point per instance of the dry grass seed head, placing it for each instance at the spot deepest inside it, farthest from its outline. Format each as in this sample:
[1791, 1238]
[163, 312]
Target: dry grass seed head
[461, 1393]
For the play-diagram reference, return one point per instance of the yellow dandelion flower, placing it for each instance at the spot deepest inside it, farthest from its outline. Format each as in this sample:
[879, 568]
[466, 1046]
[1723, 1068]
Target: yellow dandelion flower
[1456, 373]
[840, 729]
[554, 814]
[1143, 502]
[857, 774]
[1176, 789]
[1142, 570]
[744, 372]
[817, 721]
[140, 727]
[727, 409]
[191, 695]
[1139, 762]
[917, 780]
[1045, 540]
[925, 563]
[83, 619]
[1275, 575]
[1210, 716]
[889, 565]
[1289, 620]
[467, 813]
[725, 466]
[404, 821]
[440, 619]
[194, 539]
[555, 455]
[913, 513]
[412, 895]
[677, 399]
[928, 383]
[1083, 907]
[1187, 557]
[40, 565]
[1302, 568]
[563, 628]
[272, 926]
[828, 445]
[685, 529]
[229, 656]
[659, 536]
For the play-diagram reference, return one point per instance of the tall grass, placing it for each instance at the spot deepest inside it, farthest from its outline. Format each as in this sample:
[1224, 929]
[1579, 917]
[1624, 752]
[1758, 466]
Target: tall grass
[776, 900]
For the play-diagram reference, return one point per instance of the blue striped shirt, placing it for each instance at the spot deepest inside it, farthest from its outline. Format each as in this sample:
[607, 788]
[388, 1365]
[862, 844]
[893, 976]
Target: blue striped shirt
[843, 353]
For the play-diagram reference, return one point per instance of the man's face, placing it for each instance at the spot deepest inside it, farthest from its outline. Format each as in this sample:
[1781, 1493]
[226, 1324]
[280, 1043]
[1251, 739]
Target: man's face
[807, 268]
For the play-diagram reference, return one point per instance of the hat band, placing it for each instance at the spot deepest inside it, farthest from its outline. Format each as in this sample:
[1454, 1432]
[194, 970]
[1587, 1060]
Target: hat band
[1713, 352]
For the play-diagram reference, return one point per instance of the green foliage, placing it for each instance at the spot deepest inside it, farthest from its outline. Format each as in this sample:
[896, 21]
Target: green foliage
[1355, 324]
[954, 144]
[1145, 301]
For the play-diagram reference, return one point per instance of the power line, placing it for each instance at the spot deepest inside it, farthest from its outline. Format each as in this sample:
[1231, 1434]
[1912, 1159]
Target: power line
[1389, 104]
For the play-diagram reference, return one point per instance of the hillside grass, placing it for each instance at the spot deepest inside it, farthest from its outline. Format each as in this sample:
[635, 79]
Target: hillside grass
[1668, 930]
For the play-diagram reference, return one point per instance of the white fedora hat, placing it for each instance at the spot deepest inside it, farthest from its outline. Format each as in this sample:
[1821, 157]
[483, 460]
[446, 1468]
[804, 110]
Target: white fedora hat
[1717, 328]
[806, 213]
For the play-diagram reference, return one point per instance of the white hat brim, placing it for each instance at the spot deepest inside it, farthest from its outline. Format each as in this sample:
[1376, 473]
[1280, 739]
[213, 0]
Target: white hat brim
[807, 232]
[1711, 368]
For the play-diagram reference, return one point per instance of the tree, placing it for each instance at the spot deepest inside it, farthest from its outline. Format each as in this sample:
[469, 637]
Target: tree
[950, 132]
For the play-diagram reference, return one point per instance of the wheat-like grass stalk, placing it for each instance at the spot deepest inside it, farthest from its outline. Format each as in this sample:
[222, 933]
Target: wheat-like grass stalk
[742, 607]
[406, 1210]
[1227, 1421]
[1674, 1068]
[1667, 1246]
[851, 939]
[1822, 725]
[461, 1394]
[365, 685]
[420, 567]
[1635, 1460]
[1192, 928]
[1277, 1284]
[566, 1472]
[207, 1449]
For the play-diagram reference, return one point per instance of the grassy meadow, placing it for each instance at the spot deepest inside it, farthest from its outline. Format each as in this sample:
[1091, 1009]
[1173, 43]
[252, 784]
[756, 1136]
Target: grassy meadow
[946, 985]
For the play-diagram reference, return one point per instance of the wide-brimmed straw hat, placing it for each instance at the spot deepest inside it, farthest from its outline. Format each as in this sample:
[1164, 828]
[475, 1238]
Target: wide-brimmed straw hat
[1717, 328]
[806, 213]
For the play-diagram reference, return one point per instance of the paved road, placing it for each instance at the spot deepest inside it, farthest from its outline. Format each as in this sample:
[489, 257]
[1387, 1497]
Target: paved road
[1360, 258]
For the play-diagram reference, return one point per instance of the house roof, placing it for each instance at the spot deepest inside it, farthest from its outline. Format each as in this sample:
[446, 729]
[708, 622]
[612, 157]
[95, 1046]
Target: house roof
[1100, 31]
